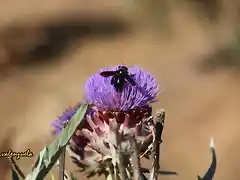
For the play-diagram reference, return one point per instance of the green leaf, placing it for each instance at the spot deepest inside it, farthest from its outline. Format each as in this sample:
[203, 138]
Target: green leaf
[14, 175]
[50, 154]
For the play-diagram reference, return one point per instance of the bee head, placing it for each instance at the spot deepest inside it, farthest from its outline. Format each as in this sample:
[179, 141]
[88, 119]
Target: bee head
[123, 68]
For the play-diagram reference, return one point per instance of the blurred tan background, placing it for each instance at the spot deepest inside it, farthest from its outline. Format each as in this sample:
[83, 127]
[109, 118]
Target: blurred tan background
[48, 49]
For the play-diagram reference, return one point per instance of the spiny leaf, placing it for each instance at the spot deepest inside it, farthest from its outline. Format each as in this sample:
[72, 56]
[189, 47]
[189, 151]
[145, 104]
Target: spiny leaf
[91, 174]
[211, 170]
[50, 154]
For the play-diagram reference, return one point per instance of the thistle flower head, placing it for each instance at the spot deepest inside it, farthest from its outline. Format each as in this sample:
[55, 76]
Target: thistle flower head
[63, 120]
[93, 148]
[100, 91]
[93, 145]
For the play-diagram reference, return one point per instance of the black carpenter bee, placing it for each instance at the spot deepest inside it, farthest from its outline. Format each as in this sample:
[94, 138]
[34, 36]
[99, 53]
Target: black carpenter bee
[120, 77]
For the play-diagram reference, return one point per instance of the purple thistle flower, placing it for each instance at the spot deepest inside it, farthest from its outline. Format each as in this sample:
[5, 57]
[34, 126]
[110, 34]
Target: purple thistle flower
[93, 143]
[63, 120]
[100, 91]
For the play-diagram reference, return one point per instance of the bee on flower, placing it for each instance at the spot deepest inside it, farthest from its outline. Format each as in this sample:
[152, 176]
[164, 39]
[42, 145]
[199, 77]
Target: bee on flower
[93, 144]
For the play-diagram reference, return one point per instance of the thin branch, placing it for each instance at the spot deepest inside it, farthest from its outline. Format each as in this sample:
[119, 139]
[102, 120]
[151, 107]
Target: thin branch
[61, 166]
[20, 173]
[157, 128]
[148, 149]
[58, 164]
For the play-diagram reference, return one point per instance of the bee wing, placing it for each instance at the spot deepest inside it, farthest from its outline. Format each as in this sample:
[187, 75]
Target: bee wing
[108, 73]
[130, 80]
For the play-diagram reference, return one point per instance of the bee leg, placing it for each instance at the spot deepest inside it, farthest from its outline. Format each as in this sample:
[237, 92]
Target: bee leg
[113, 80]
[117, 89]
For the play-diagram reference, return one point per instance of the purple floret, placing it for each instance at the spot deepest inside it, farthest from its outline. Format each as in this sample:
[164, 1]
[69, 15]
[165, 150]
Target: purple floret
[63, 120]
[100, 92]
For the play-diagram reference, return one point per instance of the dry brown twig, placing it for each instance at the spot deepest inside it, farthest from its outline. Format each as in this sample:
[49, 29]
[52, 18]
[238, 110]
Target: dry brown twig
[156, 125]
[15, 166]
[61, 167]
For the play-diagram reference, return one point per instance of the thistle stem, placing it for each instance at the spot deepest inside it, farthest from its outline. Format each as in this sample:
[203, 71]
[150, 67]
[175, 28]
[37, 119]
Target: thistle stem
[123, 173]
[135, 159]
[62, 165]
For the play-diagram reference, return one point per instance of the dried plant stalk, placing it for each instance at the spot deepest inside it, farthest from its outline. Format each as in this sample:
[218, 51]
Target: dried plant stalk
[62, 166]
[121, 167]
[156, 127]
[135, 159]
[15, 166]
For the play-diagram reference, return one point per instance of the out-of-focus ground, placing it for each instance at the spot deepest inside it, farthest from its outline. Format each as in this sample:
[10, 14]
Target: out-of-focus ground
[48, 49]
